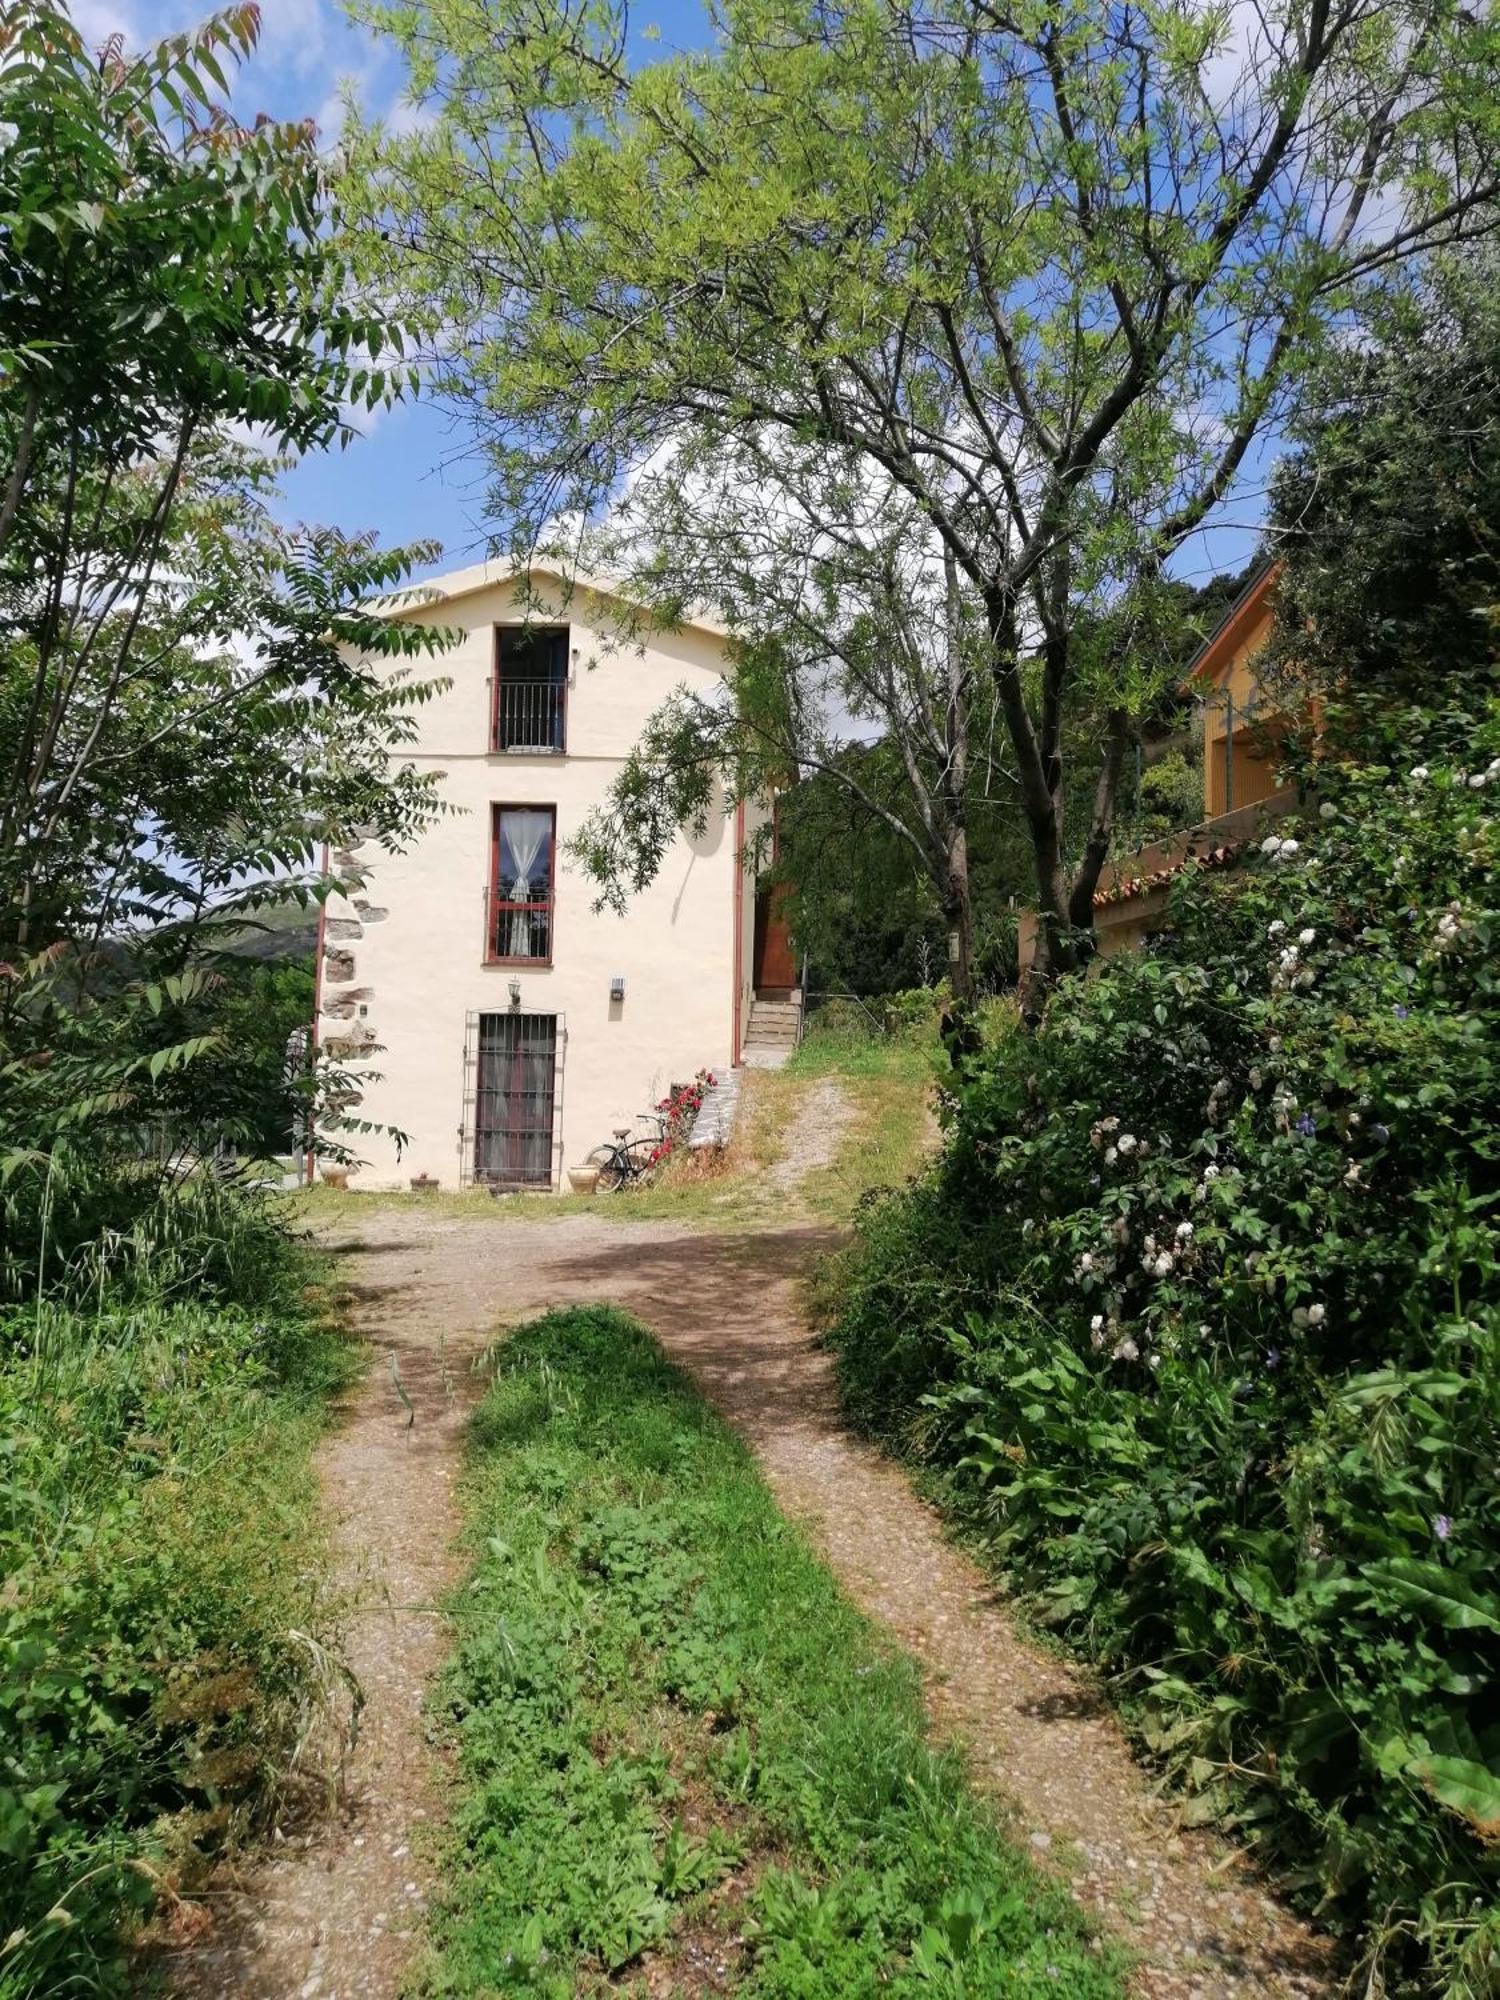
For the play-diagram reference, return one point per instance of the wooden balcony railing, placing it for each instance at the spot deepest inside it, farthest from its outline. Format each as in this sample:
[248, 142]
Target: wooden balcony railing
[530, 715]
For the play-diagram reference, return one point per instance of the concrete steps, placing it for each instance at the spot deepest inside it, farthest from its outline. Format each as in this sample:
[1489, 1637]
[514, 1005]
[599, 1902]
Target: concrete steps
[771, 1032]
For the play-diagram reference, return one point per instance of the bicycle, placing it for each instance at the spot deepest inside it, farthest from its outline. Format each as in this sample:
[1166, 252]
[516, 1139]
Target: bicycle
[625, 1161]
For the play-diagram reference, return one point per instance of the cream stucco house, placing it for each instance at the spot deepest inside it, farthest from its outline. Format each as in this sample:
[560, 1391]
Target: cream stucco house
[516, 1026]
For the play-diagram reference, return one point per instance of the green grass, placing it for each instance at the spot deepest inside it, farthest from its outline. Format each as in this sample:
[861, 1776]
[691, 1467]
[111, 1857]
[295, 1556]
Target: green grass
[676, 1741]
[850, 1049]
[163, 1618]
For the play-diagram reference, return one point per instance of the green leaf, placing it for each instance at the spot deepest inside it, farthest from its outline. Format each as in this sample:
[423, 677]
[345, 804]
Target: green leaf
[1471, 1790]
[1439, 1594]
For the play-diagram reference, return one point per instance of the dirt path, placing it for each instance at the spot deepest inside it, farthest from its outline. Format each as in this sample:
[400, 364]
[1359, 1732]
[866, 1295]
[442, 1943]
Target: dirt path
[335, 1911]
[813, 1138]
[335, 1918]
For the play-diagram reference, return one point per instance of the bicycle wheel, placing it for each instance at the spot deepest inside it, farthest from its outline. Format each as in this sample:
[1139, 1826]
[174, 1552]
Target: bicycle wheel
[640, 1164]
[613, 1170]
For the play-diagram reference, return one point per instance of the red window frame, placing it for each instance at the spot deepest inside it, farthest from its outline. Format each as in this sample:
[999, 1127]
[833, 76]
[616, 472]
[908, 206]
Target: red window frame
[495, 904]
[497, 683]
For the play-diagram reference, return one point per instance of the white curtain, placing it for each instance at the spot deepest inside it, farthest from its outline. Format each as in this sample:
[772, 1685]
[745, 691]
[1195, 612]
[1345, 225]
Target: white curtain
[524, 871]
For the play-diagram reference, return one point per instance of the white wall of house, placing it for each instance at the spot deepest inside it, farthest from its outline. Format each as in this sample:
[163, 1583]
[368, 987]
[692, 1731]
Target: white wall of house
[404, 961]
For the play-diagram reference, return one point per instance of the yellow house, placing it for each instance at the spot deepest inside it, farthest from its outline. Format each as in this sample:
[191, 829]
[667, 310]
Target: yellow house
[1243, 728]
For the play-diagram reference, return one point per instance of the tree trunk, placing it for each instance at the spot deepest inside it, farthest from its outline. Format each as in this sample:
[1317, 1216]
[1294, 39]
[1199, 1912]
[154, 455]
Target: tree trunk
[958, 914]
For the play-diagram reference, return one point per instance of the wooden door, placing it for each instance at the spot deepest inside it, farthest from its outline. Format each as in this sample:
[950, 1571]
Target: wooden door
[775, 967]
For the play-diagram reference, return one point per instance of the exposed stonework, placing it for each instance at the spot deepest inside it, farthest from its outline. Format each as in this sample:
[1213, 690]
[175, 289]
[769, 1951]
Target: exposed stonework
[370, 912]
[338, 966]
[343, 927]
[343, 1005]
[340, 1048]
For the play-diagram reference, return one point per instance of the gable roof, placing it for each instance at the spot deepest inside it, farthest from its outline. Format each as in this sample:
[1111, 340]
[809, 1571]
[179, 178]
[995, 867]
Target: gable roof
[479, 576]
[1219, 648]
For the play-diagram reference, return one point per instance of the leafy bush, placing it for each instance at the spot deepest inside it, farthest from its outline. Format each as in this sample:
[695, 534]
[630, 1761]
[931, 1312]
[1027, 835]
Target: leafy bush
[1198, 1323]
[160, 1648]
[1167, 795]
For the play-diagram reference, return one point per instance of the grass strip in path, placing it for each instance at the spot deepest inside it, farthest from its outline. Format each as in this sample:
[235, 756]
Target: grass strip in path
[684, 1762]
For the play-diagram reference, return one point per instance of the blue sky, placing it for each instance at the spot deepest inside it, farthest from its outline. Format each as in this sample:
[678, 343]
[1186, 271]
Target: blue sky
[411, 475]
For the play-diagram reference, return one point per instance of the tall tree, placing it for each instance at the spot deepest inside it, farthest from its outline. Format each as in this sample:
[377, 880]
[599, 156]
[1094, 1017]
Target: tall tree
[168, 274]
[188, 709]
[850, 624]
[1042, 270]
[1387, 512]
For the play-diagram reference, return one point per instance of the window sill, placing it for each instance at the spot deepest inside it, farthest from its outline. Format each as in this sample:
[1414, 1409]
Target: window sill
[519, 964]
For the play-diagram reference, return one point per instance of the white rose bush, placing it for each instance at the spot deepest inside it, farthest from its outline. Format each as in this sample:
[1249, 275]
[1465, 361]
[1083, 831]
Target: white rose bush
[1205, 1409]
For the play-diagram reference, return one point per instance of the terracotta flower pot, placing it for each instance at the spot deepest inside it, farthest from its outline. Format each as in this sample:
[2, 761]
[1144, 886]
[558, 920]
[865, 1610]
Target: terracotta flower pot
[336, 1177]
[583, 1180]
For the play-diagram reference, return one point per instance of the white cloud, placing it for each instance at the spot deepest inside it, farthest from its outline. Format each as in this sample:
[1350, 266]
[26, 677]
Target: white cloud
[97, 20]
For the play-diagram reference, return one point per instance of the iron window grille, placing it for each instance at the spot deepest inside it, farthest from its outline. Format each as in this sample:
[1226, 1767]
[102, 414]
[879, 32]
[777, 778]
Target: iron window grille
[511, 1134]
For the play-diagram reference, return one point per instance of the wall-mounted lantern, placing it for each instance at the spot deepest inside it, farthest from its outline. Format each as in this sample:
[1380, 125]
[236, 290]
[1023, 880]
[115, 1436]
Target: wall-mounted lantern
[617, 986]
[515, 993]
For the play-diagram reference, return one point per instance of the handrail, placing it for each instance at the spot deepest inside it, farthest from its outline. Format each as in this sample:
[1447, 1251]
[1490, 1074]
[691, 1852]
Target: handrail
[874, 1020]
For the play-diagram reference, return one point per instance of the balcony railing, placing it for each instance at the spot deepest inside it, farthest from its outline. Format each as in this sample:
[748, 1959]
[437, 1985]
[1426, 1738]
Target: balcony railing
[517, 932]
[530, 714]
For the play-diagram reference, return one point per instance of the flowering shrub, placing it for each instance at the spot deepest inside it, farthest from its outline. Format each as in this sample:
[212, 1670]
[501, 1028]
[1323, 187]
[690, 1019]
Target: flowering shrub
[681, 1105]
[1198, 1319]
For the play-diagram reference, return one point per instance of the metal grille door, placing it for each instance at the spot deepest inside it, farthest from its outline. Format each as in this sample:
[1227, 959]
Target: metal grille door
[515, 1085]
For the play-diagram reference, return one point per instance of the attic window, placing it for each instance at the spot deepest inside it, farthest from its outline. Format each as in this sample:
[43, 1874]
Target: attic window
[530, 680]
